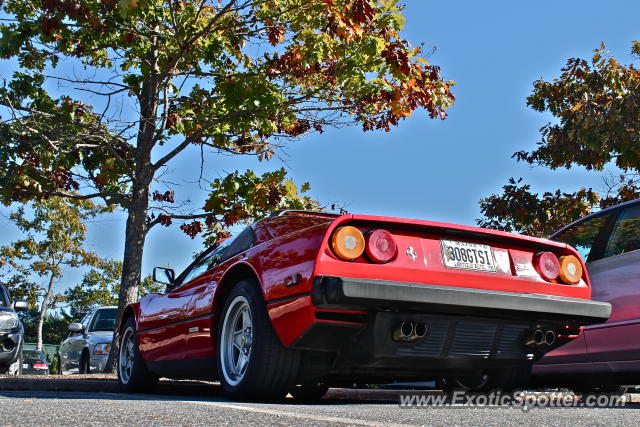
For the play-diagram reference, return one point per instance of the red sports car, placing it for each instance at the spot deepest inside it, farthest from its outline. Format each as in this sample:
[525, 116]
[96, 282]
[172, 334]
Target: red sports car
[302, 301]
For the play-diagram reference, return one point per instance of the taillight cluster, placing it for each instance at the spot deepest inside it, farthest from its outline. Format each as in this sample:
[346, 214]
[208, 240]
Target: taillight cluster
[550, 267]
[348, 243]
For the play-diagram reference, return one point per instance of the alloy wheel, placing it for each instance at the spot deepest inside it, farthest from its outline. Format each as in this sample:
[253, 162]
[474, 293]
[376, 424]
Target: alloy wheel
[126, 356]
[236, 340]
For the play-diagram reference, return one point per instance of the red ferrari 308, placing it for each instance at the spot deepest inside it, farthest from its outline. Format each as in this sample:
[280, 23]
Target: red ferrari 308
[302, 301]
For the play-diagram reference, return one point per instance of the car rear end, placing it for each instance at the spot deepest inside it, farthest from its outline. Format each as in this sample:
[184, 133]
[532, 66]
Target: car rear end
[34, 363]
[397, 298]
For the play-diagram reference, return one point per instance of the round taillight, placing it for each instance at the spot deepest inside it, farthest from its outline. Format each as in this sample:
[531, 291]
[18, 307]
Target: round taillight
[570, 269]
[547, 265]
[380, 246]
[347, 243]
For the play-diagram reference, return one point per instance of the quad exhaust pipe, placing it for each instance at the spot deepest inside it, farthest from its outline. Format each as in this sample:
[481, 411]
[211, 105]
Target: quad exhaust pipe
[540, 337]
[549, 338]
[409, 331]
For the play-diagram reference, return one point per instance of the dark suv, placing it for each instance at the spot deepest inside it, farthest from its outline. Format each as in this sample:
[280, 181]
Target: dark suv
[11, 331]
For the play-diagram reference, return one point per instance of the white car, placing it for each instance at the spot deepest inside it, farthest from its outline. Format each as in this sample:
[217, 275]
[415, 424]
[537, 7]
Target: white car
[89, 342]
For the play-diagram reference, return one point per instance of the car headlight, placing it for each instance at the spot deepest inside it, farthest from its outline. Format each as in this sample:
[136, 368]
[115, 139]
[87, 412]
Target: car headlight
[102, 349]
[8, 320]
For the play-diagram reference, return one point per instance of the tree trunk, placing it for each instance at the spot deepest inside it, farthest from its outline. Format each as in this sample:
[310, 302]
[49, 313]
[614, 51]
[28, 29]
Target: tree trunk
[139, 204]
[132, 262]
[43, 311]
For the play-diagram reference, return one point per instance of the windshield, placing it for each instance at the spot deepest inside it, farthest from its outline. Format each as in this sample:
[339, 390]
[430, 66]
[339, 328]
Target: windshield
[206, 261]
[104, 320]
[4, 298]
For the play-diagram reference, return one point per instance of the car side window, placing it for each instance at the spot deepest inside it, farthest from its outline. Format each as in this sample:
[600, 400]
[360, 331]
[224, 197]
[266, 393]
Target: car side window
[198, 269]
[583, 235]
[625, 236]
[225, 250]
[104, 320]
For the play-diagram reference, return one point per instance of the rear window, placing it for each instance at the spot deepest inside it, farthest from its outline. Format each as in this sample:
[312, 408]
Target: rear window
[33, 354]
[583, 235]
[104, 320]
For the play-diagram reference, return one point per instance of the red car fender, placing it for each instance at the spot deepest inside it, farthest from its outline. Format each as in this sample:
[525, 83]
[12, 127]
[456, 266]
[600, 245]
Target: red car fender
[130, 310]
[285, 267]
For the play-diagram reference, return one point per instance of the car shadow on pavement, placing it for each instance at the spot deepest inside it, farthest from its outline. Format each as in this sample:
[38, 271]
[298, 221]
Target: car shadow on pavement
[193, 391]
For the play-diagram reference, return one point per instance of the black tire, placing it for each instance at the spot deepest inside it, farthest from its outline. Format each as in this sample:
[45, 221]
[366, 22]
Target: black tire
[133, 375]
[85, 366]
[269, 369]
[507, 379]
[309, 392]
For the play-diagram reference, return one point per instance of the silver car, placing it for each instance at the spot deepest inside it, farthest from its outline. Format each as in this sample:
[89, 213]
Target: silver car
[87, 348]
[11, 331]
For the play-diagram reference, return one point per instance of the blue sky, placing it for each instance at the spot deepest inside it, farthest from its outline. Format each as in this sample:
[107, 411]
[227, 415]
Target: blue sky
[429, 169]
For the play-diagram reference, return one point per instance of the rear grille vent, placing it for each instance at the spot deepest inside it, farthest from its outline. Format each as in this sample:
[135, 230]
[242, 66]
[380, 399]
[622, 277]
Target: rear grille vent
[482, 338]
[473, 339]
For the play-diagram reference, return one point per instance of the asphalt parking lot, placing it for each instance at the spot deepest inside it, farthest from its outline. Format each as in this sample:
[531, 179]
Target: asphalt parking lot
[203, 404]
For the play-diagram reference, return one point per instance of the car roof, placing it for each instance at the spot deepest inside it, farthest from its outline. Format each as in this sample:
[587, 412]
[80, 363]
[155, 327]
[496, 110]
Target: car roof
[600, 212]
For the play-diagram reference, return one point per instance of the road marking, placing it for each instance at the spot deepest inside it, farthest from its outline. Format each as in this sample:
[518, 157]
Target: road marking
[341, 420]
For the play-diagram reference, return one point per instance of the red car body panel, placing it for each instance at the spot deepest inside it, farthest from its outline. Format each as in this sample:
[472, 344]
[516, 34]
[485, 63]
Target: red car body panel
[290, 251]
[429, 268]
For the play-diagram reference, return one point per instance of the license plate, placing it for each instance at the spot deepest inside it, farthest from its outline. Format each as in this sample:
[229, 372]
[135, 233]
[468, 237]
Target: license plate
[25, 366]
[467, 256]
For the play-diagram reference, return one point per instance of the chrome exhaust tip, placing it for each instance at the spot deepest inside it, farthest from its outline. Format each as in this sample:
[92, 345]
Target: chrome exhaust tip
[535, 338]
[404, 332]
[550, 337]
[420, 330]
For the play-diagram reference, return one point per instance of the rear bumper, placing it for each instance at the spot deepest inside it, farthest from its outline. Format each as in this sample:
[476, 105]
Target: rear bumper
[35, 371]
[370, 293]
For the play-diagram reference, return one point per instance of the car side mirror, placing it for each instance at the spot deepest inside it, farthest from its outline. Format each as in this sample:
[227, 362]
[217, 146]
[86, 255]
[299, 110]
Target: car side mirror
[164, 275]
[21, 305]
[76, 327]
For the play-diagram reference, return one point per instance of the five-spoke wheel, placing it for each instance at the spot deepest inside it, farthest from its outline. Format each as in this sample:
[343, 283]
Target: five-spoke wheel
[236, 340]
[133, 375]
[252, 362]
[125, 360]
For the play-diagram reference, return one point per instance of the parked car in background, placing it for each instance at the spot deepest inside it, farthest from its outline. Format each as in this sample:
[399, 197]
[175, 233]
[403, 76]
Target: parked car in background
[607, 355]
[34, 362]
[301, 301]
[89, 342]
[11, 330]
